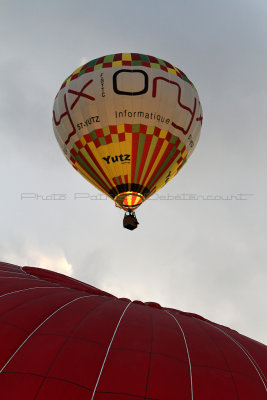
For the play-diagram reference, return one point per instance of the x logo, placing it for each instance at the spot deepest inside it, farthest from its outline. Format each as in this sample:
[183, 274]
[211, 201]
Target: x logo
[81, 94]
[200, 118]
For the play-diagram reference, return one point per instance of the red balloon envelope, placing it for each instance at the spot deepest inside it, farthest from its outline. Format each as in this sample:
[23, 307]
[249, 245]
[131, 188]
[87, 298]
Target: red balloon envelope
[62, 339]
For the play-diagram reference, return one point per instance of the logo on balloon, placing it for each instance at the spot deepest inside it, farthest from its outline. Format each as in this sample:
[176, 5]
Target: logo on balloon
[124, 158]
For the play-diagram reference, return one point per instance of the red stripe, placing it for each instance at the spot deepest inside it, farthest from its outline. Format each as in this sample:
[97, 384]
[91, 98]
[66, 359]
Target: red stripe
[127, 182]
[122, 137]
[143, 128]
[99, 132]
[163, 158]
[91, 154]
[100, 60]
[108, 139]
[113, 129]
[79, 144]
[168, 165]
[92, 168]
[154, 156]
[88, 138]
[135, 141]
[147, 144]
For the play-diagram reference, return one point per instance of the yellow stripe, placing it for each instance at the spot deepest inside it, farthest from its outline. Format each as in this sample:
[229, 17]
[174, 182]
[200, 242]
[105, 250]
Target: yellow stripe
[161, 182]
[184, 154]
[94, 166]
[128, 138]
[118, 166]
[121, 148]
[163, 133]
[83, 141]
[105, 151]
[136, 201]
[153, 142]
[163, 148]
[98, 153]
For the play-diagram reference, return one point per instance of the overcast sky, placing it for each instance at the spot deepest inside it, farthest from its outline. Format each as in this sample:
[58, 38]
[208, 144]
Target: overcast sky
[206, 255]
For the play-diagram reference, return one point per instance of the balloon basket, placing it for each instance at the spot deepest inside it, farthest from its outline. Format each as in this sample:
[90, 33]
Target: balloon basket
[130, 221]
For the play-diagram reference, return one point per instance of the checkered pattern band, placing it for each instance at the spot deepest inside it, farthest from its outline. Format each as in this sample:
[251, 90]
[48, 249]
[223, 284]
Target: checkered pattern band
[126, 59]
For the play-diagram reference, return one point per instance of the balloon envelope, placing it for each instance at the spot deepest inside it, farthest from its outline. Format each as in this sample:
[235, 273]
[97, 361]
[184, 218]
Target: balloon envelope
[62, 339]
[127, 122]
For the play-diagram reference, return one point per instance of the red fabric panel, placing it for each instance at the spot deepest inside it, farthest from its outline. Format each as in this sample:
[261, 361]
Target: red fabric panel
[19, 386]
[212, 383]
[62, 339]
[63, 280]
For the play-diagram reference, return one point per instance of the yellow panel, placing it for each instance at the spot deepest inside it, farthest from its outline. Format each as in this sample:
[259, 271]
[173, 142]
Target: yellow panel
[116, 63]
[83, 141]
[128, 137]
[120, 128]
[115, 169]
[104, 151]
[163, 133]
[118, 167]
[171, 71]
[184, 154]
[126, 57]
[126, 148]
[162, 150]
[150, 130]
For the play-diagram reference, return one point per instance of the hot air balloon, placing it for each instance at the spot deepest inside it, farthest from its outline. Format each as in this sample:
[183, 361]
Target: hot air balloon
[127, 123]
[62, 339]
